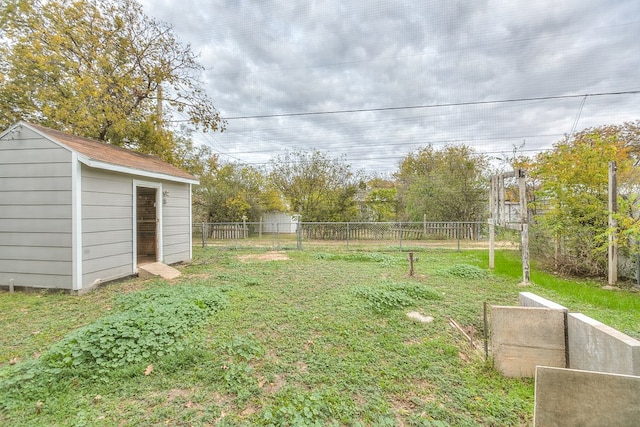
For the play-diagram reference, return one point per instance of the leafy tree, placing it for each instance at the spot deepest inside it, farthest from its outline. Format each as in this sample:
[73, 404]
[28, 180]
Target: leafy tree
[99, 68]
[573, 179]
[228, 192]
[315, 185]
[446, 185]
[381, 201]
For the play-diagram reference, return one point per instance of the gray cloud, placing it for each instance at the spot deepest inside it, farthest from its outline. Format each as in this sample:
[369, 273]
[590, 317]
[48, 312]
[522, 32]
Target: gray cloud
[275, 56]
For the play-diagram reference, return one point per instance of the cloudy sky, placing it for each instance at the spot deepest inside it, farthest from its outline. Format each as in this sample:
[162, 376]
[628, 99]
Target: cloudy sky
[449, 59]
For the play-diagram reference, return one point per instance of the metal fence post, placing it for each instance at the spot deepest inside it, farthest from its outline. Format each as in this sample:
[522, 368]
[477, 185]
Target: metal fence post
[299, 235]
[400, 235]
[458, 235]
[204, 237]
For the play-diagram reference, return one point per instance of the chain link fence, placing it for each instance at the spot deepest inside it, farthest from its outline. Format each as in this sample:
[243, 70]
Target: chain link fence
[355, 235]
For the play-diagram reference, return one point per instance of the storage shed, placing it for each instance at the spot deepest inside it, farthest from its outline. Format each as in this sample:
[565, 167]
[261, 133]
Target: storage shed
[75, 212]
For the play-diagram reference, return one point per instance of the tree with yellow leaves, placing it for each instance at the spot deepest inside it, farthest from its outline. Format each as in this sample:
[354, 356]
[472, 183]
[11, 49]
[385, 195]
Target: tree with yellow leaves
[100, 69]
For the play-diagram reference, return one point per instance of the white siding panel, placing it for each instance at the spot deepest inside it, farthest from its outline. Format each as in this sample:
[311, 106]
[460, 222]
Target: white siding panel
[23, 253]
[175, 223]
[176, 239]
[106, 212]
[99, 225]
[53, 225]
[39, 184]
[107, 250]
[36, 171]
[170, 230]
[182, 256]
[111, 262]
[56, 268]
[107, 225]
[39, 198]
[27, 142]
[35, 211]
[36, 280]
[106, 237]
[36, 156]
[108, 182]
[53, 240]
[177, 214]
[106, 199]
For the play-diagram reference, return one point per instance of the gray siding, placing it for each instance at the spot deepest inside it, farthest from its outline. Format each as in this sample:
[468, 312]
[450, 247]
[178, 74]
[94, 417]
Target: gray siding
[175, 223]
[107, 226]
[35, 212]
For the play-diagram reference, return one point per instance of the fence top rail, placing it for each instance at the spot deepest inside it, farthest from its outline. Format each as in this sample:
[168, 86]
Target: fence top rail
[394, 223]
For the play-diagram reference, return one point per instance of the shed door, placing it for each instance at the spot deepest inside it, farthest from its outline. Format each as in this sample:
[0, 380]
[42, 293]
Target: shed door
[147, 225]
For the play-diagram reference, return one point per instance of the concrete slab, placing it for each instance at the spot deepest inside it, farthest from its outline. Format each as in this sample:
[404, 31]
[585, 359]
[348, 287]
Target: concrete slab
[567, 397]
[527, 299]
[594, 346]
[525, 337]
[157, 269]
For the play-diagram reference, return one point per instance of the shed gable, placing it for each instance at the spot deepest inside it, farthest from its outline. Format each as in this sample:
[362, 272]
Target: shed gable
[35, 211]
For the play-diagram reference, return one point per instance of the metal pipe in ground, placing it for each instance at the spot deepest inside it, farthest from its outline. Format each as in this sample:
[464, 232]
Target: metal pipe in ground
[410, 263]
[486, 332]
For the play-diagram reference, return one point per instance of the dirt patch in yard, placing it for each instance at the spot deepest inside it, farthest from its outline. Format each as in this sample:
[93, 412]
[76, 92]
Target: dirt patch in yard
[269, 256]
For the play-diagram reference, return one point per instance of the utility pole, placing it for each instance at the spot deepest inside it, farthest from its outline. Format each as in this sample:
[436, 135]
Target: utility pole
[524, 226]
[613, 208]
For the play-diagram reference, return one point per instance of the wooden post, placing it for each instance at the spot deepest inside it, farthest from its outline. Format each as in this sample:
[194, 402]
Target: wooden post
[492, 222]
[613, 208]
[492, 244]
[424, 226]
[524, 222]
[244, 226]
[260, 228]
[501, 201]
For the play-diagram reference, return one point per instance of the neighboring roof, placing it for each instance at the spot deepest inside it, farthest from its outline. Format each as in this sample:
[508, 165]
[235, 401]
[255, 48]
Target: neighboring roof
[96, 153]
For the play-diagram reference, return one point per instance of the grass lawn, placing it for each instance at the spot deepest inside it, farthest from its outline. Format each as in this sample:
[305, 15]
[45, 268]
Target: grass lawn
[318, 338]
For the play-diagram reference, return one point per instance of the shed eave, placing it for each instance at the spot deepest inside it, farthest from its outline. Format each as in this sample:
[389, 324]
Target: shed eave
[131, 171]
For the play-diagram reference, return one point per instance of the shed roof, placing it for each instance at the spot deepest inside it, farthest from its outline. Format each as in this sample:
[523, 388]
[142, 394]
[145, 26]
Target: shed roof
[95, 151]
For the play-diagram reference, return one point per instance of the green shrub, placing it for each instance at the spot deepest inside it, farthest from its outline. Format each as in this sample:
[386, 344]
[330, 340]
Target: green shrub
[390, 295]
[148, 324]
[465, 271]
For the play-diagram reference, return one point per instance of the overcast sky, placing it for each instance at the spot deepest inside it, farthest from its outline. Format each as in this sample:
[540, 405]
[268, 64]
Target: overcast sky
[268, 57]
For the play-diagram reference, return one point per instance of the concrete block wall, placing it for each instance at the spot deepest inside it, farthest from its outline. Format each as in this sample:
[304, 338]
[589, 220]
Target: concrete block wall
[567, 397]
[527, 299]
[525, 337]
[594, 346]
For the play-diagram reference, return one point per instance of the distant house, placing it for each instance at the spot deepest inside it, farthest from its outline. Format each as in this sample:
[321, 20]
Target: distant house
[280, 222]
[76, 212]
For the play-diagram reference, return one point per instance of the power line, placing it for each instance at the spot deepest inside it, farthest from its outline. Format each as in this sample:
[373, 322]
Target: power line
[415, 107]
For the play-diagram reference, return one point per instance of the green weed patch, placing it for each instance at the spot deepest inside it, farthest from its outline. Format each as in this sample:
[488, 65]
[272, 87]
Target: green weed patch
[150, 324]
[146, 325]
[358, 257]
[388, 296]
[465, 271]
